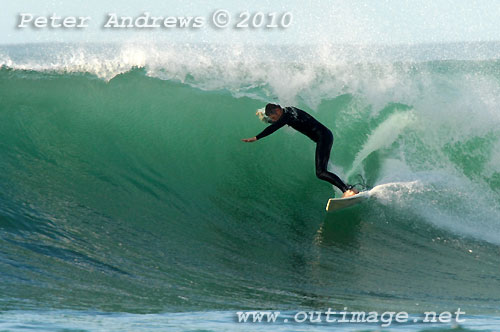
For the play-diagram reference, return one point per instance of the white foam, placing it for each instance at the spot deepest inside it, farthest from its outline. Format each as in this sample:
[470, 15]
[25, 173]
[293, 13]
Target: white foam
[382, 137]
[444, 198]
[287, 74]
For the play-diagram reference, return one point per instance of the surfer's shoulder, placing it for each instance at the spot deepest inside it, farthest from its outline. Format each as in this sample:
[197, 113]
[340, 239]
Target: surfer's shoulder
[291, 110]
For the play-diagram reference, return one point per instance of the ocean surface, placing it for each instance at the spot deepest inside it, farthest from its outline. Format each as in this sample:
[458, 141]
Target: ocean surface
[128, 201]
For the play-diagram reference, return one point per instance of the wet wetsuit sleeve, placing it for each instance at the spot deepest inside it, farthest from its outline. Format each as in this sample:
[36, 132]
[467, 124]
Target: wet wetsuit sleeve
[272, 128]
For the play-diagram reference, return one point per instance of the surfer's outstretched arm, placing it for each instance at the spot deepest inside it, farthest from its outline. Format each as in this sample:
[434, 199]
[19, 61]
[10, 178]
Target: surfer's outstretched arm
[268, 131]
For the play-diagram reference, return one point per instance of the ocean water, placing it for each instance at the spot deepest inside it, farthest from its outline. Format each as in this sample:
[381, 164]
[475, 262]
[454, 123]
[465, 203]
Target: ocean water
[129, 203]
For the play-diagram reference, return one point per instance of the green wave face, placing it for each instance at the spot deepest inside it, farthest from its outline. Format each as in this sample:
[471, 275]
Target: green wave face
[135, 193]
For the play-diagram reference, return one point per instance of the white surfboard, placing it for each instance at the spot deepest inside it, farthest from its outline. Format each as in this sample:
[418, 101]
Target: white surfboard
[335, 204]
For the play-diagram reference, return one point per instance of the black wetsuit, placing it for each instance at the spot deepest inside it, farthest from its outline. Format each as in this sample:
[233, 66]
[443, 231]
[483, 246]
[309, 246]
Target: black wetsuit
[312, 128]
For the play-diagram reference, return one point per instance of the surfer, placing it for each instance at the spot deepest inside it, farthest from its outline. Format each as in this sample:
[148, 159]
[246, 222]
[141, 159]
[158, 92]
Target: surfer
[312, 128]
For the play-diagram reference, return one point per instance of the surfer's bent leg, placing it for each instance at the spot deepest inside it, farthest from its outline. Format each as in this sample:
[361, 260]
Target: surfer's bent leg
[323, 148]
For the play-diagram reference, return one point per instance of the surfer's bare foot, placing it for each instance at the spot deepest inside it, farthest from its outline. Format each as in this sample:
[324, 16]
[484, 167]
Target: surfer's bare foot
[350, 192]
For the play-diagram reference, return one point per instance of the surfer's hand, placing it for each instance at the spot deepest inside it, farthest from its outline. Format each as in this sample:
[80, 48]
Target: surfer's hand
[253, 139]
